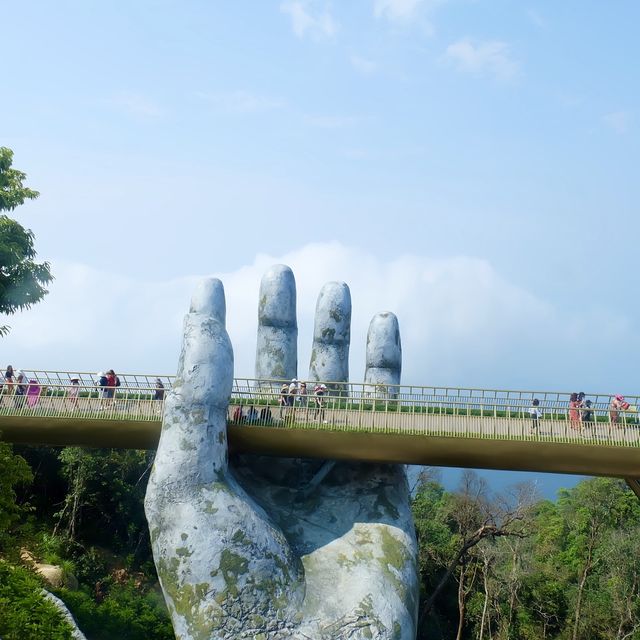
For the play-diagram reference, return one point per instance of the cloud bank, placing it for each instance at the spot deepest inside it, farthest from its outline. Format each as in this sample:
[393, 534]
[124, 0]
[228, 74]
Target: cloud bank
[490, 57]
[462, 323]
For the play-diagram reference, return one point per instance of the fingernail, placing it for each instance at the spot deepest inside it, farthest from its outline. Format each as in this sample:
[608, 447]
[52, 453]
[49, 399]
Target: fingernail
[208, 299]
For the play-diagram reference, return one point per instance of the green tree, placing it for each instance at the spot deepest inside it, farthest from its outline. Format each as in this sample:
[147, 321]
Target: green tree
[14, 471]
[592, 510]
[22, 280]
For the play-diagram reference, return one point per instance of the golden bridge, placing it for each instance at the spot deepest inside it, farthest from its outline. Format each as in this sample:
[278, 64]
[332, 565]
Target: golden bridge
[440, 426]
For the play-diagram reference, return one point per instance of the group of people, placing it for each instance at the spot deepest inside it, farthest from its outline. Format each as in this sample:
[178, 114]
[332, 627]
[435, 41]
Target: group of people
[252, 416]
[581, 410]
[294, 395]
[107, 381]
[15, 383]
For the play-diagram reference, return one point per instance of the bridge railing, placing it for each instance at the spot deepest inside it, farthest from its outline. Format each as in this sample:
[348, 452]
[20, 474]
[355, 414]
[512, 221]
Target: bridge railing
[438, 411]
[350, 406]
[80, 401]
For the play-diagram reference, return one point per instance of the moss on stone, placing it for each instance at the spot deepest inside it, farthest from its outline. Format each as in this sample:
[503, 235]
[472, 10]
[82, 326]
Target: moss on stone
[232, 566]
[240, 537]
[186, 600]
[187, 445]
[208, 507]
[328, 334]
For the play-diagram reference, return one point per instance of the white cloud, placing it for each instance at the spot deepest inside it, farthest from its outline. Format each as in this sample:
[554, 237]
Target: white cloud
[461, 322]
[618, 121]
[307, 19]
[492, 57]
[137, 105]
[405, 11]
[396, 9]
[363, 65]
[241, 102]
[331, 122]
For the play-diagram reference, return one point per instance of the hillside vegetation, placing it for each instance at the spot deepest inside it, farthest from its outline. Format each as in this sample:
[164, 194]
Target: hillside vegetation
[493, 567]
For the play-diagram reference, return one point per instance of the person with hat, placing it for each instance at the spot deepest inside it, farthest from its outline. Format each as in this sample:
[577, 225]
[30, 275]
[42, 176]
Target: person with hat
[617, 404]
[293, 390]
[102, 382]
[318, 392]
[73, 391]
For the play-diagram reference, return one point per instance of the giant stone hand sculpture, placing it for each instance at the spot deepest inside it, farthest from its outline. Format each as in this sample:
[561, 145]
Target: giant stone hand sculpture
[257, 549]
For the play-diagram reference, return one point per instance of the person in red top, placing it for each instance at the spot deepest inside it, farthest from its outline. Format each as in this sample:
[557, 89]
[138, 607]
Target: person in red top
[112, 383]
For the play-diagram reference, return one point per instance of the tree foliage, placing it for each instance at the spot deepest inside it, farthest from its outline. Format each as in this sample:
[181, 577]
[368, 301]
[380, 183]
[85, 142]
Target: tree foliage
[26, 614]
[23, 281]
[575, 575]
[13, 472]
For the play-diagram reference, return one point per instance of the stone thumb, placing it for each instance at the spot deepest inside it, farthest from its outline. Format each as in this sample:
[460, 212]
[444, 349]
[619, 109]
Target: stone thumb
[193, 442]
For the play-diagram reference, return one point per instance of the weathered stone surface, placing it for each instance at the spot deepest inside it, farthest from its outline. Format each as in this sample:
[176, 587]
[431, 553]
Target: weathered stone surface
[331, 335]
[76, 634]
[384, 355]
[243, 551]
[277, 347]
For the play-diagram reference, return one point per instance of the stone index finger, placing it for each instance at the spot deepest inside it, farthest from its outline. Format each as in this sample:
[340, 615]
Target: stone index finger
[277, 345]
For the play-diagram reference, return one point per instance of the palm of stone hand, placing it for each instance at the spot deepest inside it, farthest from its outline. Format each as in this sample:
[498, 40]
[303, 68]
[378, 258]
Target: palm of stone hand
[255, 549]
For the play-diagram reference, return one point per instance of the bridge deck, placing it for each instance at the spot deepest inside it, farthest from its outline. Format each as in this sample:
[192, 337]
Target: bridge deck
[414, 425]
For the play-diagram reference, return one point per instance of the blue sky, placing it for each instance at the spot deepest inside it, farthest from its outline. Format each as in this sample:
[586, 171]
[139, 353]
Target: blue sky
[468, 164]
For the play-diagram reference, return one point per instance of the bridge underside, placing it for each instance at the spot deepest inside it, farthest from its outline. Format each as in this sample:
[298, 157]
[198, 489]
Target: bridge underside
[385, 447]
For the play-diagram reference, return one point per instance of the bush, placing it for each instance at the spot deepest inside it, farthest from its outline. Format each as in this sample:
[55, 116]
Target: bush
[26, 614]
[127, 613]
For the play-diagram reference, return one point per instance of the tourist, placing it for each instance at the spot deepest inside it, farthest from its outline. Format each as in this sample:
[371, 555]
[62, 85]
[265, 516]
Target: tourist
[102, 382]
[535, 413]
[20, 390]
[319, 391]
[574, 411]
[293, 390]
[302, 399]
[616, 405]
[33, 393]
[587, 412]
[112, 379]
[283, 400]
[302, 394]
[9, 378]
[158, 393]
[73, 391]
[252, 415]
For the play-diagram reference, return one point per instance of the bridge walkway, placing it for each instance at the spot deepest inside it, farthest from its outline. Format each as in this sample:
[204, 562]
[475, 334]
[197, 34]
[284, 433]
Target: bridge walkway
[476, 428]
